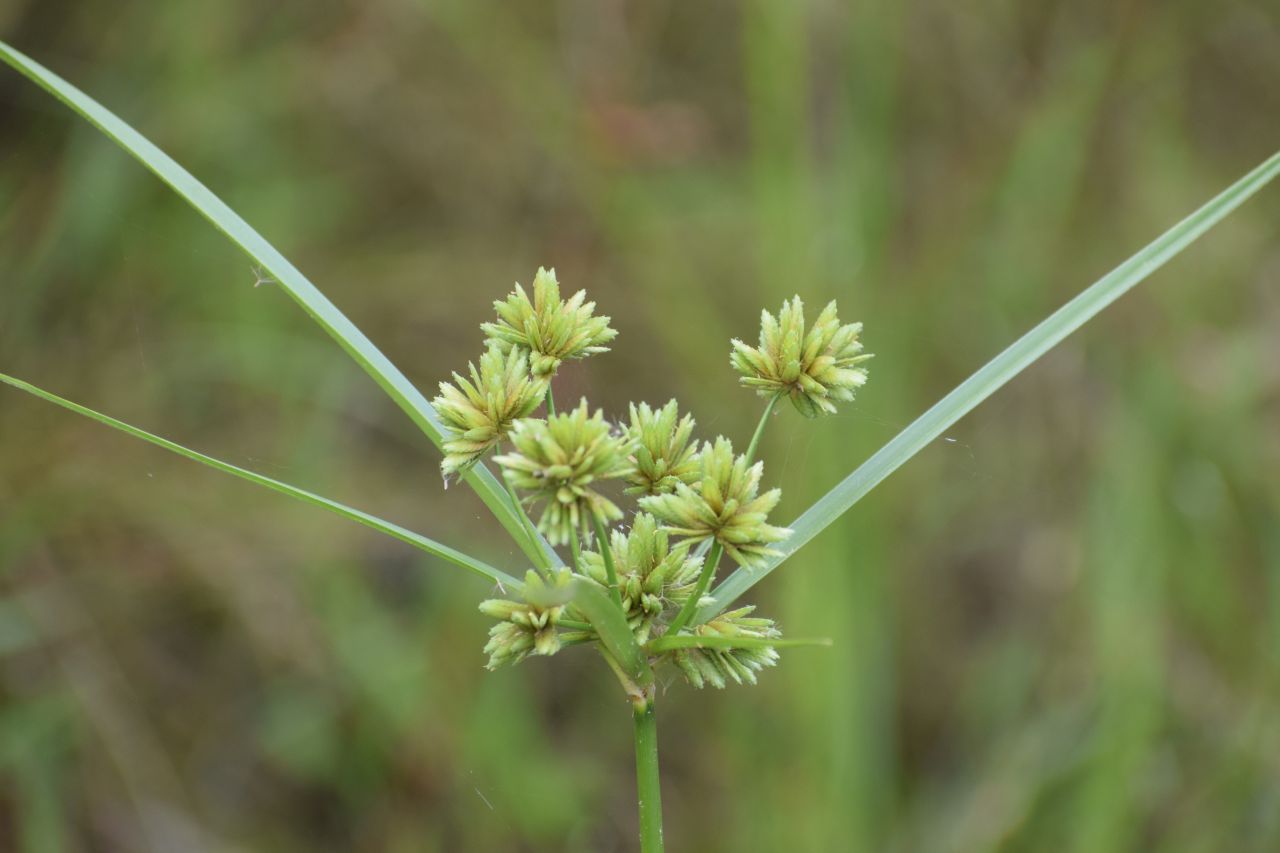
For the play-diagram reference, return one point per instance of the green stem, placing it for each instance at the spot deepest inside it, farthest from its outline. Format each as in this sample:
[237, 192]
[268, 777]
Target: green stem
[576, 549]
[764, 419]
[648, 787]
[602, 541]
[527, 523]
[577, 638]
[704, 581]
[635, 693]
[551, 401]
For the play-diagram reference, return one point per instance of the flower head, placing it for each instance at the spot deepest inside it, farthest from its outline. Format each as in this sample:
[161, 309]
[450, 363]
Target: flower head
[478, 414]
[548, 328]
[723, 505]
[715, 666]
[661, 455]
[558, 460]
[815, 370]
[652, 575]
[527, 627]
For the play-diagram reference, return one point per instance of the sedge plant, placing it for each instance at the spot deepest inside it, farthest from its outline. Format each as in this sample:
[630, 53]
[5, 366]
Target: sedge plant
[635, 518]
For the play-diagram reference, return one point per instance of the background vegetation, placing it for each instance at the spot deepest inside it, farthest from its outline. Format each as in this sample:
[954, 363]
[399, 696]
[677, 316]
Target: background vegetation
[1059, 628]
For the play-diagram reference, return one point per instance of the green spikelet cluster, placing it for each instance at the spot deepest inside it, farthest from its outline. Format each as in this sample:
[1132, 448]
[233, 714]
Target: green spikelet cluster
[661, 454]
[560, 461]
[527, 627]
[717, 667]
[478, 414]
[723, 504]
[548, 328]
[652, 576]
[688, 493]
[815, 370]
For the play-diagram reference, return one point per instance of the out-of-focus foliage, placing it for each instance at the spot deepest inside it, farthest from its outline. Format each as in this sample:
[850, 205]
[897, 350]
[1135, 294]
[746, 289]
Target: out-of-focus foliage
[1057, 629]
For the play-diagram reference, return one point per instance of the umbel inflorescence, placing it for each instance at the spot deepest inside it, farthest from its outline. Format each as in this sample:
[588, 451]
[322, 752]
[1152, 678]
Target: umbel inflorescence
[694, 501]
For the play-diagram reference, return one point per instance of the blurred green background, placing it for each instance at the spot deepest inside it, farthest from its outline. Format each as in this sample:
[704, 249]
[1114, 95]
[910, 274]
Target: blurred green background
[1059, 629]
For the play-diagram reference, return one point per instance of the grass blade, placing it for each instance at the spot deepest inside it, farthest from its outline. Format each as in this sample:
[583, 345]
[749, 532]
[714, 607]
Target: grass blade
[1008, 364]
[315, 303]
[692, 641]
[613, 630]
[394, 530]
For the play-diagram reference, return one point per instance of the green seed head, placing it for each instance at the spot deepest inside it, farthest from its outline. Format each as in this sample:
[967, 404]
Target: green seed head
[652, 576]
[477, 414]
[661, 454]
[724, 504]
[815, 370]
[717, 667]
[559, 461]
[527, 627]
[548, 328]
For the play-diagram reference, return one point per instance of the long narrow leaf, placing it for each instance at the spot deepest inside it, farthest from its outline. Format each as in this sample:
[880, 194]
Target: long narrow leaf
[315, 303]
[1008, 364]
[612, 629]
[416, 539]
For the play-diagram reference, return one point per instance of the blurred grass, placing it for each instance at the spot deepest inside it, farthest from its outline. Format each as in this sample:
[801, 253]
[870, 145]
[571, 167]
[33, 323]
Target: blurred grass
[1057, 631]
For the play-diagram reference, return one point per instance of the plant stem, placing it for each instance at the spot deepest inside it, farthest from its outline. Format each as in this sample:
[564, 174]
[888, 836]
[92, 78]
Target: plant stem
[527, 523]
[635, 693]
[602, 541]
[551, 401]
[704, 581]
[764, 419]
[575, 548]
[648, 787]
